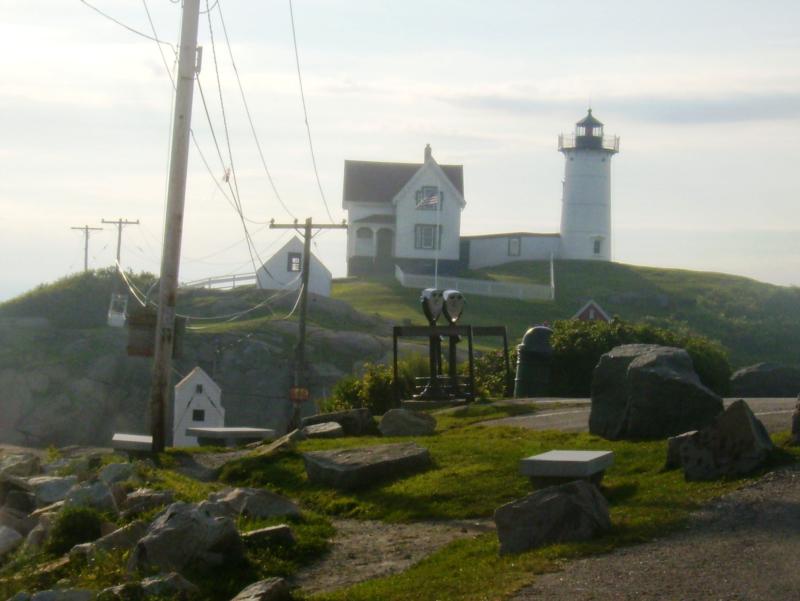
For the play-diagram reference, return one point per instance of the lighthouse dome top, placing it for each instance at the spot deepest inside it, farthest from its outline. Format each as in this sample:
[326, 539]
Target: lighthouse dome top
[589, 136]
[589, 121]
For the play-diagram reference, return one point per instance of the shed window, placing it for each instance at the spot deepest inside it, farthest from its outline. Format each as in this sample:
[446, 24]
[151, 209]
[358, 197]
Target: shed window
[293, 262]
[514, 246]
[198, 415]
[198, 389]
[598, 244]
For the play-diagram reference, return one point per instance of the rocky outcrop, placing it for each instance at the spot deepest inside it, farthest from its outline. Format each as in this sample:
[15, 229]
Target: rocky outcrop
[404, 422]
[571, 512]
[642, 391]
[186, 533]
[354, 422]
[254, 503]
[766, 380]
[272, 589]
[361, 467]
[324, 430]
[735, 444]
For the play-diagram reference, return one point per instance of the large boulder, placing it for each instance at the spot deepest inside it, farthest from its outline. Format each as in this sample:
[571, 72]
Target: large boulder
[254, 503]
[735, 444]
[23, 464]
[272, 589]
[766, 380]
[645, 391]
[404, 422]
[96, 495]
[354, 422]
[573, 511]
[50, 489]
[10, 539]
[187, 533]
[357, 468]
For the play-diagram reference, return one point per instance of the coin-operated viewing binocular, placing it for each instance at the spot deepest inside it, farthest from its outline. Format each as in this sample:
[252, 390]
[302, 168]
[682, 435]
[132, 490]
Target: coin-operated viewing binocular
[453, 305]
[432, 303]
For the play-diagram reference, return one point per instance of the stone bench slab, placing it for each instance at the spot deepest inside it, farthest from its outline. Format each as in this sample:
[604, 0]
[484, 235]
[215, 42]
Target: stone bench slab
[230, 436]
[131, 442]
[566, 464]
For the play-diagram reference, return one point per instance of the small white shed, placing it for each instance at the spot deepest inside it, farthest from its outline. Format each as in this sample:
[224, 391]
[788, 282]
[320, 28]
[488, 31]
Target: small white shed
[282, 271]
[197, 405]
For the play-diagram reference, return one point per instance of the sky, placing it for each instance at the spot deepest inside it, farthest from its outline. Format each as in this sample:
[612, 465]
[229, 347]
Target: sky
[705, 97]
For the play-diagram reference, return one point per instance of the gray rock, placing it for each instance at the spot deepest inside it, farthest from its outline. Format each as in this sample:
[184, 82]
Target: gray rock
[355, 422]
[766, 380]
[17, 520]
[145, 499]
[734, 445]
[642, 391]
[674, 444]
[64, 595]
[281, 534]
[357, 468]
[272, 589]
[254, 502]
[574, 511]
[187, 533]
[50, 489]
[404, 422]
[172, 585]
[116, 472]
[23, 464]
[324, 430]
[122, 538]
[96, 495]
[9, 540]
[38, 536]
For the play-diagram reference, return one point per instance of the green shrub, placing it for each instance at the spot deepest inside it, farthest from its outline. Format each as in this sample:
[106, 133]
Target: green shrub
[73, 526]
[578, 346]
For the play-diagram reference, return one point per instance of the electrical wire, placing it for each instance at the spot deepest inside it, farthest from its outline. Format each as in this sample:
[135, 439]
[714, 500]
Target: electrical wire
[247, 112]
[128, 27]
[305, 114]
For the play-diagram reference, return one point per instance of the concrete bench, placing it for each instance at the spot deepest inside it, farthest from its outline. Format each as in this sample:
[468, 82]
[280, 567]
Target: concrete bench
[137, 443]
[230, 437]
[556, 467]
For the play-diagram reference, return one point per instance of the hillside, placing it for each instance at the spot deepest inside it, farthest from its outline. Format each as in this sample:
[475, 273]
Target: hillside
[753, 320]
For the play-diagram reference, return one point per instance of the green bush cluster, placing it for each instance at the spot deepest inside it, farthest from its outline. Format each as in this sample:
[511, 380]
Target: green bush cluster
[374, 388]
[73, 526]
[578, 346]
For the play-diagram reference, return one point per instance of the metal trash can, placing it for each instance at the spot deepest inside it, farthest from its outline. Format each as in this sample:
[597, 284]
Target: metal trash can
[534, 360]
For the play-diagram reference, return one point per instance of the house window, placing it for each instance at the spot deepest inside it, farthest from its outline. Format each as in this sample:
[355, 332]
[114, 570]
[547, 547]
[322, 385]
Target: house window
[598, 244]
[198, 389]
[198, 415]
[514, 246]
[429, 198]
[293, 262]
[364, 233]
[425, 236]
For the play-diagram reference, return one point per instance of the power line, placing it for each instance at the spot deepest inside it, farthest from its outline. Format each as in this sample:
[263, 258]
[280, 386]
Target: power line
[128, 27]
[305, 114]
[247, 112]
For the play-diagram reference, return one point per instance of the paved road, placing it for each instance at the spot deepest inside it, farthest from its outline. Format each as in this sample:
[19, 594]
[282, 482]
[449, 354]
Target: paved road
[572, 415]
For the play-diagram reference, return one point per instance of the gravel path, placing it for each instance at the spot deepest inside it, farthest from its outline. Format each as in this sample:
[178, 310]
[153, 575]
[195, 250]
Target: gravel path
[744, 547]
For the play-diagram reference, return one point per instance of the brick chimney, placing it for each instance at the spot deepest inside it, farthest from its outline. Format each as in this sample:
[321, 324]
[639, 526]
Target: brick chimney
[428, 154]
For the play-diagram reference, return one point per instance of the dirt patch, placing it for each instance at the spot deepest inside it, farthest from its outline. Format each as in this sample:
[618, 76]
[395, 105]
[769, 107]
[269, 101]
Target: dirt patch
[742, 547]
[364, 549]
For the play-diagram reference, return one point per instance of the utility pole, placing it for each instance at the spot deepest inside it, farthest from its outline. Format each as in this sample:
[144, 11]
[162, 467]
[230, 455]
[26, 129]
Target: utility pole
[300, 349]
[86, 229]
[173, 228]
[119, 223]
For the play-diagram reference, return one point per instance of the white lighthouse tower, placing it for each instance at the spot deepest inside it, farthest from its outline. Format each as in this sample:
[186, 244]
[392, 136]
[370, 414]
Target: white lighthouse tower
[586, 199]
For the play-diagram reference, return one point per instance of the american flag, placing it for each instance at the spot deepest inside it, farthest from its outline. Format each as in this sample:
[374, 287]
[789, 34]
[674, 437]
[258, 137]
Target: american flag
[431, 200]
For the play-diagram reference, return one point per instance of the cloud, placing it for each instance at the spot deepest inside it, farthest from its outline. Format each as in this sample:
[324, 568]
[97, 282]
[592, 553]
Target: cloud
[730, 108]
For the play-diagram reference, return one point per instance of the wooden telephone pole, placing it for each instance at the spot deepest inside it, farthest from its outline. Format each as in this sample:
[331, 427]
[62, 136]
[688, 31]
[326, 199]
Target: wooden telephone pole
[173, 228]
[300, 349]
[119, 223]
[86, 229]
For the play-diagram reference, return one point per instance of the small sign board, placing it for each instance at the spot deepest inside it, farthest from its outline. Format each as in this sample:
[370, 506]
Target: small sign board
[298, 394]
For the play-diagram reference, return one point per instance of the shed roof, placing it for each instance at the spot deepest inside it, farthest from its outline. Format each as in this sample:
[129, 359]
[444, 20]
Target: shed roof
[377, 182]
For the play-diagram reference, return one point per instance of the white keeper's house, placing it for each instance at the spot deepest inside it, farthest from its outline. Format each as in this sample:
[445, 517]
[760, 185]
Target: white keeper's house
[409, 214]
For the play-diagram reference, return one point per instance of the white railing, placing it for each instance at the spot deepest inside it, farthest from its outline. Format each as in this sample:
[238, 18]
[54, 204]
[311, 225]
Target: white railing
[223, 282]
[479, 287]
